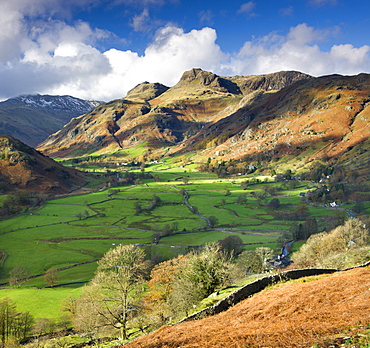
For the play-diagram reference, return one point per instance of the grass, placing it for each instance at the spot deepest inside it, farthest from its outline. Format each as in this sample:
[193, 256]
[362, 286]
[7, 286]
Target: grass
[41, 303]
[81, 228]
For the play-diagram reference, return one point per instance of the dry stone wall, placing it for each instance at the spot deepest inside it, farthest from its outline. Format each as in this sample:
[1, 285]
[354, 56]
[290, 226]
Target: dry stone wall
[253, 288]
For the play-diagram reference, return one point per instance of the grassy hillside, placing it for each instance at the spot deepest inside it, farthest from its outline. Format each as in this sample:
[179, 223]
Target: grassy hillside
[323, 311]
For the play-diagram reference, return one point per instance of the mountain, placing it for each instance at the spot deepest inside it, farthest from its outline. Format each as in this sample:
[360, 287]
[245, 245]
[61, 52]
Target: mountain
[324, 118]
[32, 118]
[285, 118]
[322, 311]
[160, 116]
[23, 168]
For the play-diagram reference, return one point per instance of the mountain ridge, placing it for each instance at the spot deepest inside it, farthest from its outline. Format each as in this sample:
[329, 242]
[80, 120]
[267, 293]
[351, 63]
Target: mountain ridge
[172, 116]
[32, 118]
[255, 119]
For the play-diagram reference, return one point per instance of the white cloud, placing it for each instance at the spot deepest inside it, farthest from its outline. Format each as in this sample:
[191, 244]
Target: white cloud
[164, 60]
[141, 22]
[298, 50]
[49, 56]
[247, 7]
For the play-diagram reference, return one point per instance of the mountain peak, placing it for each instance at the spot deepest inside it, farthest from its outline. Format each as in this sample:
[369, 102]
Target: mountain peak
[198, 78]
[146, 91]
[56, 102]
[32, 118]
[204, 77]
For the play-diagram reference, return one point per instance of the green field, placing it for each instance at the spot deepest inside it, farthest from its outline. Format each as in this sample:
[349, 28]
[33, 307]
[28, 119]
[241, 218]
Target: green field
[41, 303]
[71, 233]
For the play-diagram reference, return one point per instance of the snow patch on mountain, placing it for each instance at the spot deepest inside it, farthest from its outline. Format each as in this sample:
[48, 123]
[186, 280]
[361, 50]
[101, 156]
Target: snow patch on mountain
[63, 103]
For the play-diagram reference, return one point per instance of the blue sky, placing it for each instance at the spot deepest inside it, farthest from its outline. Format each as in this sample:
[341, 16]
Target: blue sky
[99, 49]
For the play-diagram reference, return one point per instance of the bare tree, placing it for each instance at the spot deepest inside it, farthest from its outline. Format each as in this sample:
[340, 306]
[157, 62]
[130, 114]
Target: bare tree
[112, 296]
[51, 276]
[17, 276]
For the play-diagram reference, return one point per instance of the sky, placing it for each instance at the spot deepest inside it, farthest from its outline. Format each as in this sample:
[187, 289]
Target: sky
[100, 49]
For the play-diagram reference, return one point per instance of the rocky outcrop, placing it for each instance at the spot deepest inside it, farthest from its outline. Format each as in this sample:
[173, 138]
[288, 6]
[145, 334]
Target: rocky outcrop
[146, 91]
[269, 82]
[200, 78]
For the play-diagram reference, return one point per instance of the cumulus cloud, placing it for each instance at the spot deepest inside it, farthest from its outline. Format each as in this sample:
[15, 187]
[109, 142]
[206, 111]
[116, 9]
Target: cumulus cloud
[47, 55]
[76, 68]
[164, 60]
[298, 50]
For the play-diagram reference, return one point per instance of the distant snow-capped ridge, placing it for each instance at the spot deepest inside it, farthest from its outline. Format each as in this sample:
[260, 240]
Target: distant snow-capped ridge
[56, 102]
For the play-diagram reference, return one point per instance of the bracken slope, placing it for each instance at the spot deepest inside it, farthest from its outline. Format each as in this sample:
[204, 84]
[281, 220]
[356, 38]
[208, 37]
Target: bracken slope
[295, 314]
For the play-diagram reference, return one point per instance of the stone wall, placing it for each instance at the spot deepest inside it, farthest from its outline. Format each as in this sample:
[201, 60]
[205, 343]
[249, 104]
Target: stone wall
[253, 288]
[258, 285]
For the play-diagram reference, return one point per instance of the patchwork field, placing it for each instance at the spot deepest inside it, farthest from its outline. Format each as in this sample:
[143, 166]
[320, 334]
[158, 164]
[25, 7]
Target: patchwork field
[71, 233]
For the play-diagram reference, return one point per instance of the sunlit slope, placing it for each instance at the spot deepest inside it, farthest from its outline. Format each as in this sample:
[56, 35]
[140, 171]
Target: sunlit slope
[298, 314]
[162, 117]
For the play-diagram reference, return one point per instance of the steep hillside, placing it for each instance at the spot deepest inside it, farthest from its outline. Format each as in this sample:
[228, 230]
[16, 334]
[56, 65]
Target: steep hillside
[311, 311]
[32, 118]
[163, 117]
[321, 118]
[285, 118]
[23, 168]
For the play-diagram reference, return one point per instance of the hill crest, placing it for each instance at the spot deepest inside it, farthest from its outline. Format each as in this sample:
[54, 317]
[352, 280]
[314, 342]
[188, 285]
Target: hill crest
[32, 118]
[23, 168]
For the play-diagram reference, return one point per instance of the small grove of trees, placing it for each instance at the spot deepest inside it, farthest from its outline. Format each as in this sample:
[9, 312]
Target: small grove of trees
[345, 246]
[14, 325]
[300, 213]
[176, 286]
[232, 245]
[304, 230]
[114, 298]
[21, 201]
[252, 261]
